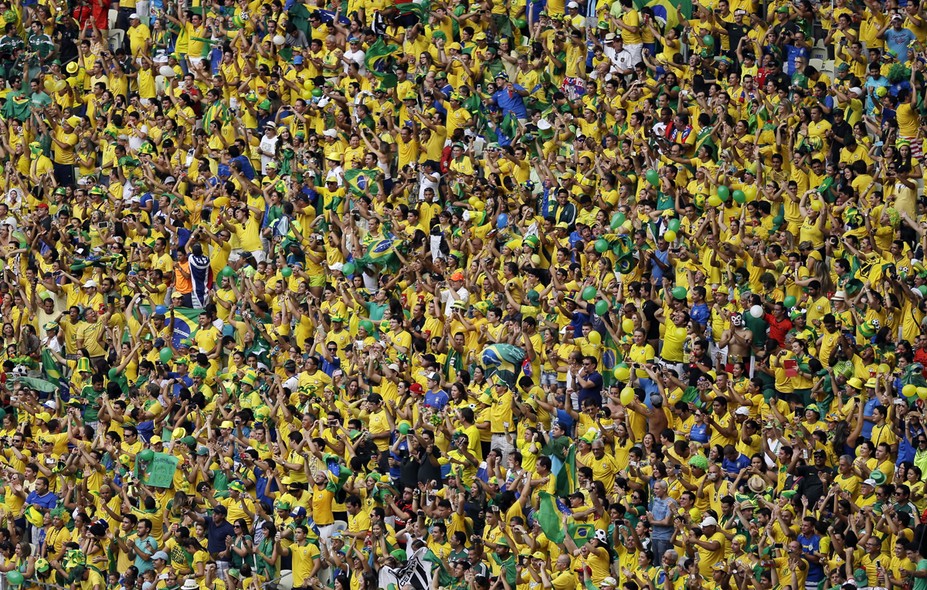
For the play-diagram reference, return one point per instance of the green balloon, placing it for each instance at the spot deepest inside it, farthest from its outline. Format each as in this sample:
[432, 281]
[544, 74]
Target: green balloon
[403, 428]
[673, 225]
[317, 92]
[618, 220]
[286, 271]
[348, 268]
[708, 40]
[601, 245]
[679, 293]
[739, 197]
[14, 578]
[228, 271]
[166, 354]
[367, 325]
[653, 177]
[589, 293]
[519, 23]
[789, 301]
[601, 307]
[146, 455]
[723, 193]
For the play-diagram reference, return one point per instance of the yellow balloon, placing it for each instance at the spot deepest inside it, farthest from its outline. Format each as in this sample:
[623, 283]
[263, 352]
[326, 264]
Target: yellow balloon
[714, 201]
[627, 326]
[884, 369]
[595, 337]
[220, 202]
[922, 392]
[627, 396]
[816, 205]
[669, 236]
[622, 372]
[909, 390]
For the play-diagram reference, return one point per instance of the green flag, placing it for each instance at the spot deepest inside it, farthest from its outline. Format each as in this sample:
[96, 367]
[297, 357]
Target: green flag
[549, 518]
[51, 368]
[377, 62]
[566, 473]
[420, 9]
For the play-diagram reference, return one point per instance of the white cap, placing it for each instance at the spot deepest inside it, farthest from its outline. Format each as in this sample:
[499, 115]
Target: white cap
[572, 5]
[839, 296]
[90, 283]
[393, 367]
[742, 411]
[709, 521]
[856, 90]
[544, 125]
[51, 404]
[337, 266]
[869, 482]
[330, 133]
[133, 15]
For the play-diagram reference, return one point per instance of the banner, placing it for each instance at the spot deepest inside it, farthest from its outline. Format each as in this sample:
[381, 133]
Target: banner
[158, 472]
[416, 573]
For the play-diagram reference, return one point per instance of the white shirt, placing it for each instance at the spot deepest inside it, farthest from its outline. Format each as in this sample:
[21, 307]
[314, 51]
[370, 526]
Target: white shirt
[358, 58]
[268, 145]
[424, 183]
[621, 60]
[461, 295]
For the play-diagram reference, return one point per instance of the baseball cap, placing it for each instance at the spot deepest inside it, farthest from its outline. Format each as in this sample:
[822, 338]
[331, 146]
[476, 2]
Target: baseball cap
[709, 521]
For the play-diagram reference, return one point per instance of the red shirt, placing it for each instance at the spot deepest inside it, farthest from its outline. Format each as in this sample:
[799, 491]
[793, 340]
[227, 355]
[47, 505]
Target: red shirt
[778, 328]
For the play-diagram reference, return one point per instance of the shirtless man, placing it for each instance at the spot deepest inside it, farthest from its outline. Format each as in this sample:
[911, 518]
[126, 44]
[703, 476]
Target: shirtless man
[736, 342]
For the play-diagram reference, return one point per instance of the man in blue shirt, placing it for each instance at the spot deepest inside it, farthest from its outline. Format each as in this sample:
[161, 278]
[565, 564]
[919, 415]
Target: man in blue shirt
[435, 397]
[41, 498]
[897, 38]
[811, 549]
[510, 97]
[734, 462]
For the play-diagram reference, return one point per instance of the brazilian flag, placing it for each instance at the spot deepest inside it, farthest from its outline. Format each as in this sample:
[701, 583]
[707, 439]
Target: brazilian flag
[360, 180]
[504, 361]
[380, 253]
[377, 61]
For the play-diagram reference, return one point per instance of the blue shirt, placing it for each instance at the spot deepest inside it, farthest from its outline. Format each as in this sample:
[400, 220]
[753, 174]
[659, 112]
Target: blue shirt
[734, 467]
[898, 42]
[510, 102]
[436, 399]
[812, 544]
[48, 501]
[149, 545]
[792, 52]
[867, 417]
[700, 314]
[660, 508]
[699, 433]
[247, 170]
